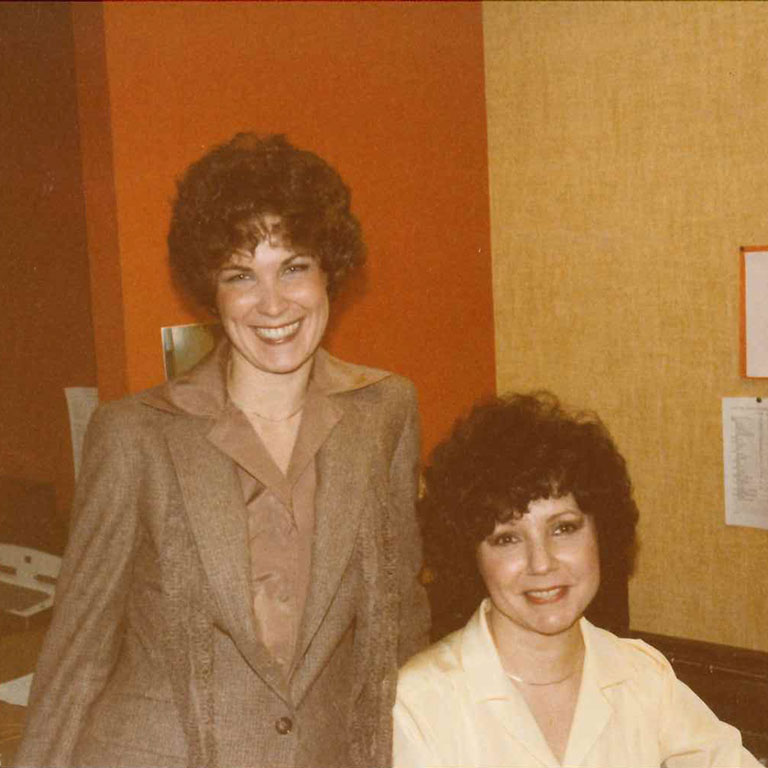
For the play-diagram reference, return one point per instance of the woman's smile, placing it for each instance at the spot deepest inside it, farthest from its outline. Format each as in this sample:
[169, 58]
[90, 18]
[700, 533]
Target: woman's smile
[277, 334]
[545, 596]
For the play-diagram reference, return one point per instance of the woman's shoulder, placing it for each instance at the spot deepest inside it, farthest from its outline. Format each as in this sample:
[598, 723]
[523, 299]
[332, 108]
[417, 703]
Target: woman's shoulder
[129, 414]
[336, 376]
[628, 657]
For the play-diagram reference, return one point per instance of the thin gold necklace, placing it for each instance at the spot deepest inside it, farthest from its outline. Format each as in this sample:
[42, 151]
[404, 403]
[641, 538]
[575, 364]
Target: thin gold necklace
[515, 678]
[249, 411]
[551, 682]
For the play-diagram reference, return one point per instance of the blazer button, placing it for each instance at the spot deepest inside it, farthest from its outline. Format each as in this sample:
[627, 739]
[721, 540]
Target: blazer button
[283, 725]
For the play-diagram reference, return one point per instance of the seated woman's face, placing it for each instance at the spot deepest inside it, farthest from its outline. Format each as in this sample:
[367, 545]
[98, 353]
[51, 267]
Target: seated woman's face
[273, 305]
[543, 569]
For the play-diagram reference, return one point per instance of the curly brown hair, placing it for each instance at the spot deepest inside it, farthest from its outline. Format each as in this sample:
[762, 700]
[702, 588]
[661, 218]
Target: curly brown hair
[219, 197]
[508, 452]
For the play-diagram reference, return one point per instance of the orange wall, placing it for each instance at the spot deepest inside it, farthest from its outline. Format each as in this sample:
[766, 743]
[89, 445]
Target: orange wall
[46, 340]
[392, 94]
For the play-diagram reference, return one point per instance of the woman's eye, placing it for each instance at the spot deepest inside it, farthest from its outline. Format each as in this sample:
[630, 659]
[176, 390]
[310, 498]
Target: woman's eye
[293, 269]
[503, 539]
[566, 528]
[235, 277]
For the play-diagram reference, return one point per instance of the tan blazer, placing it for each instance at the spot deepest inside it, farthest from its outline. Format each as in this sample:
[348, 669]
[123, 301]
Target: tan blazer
[152, 658]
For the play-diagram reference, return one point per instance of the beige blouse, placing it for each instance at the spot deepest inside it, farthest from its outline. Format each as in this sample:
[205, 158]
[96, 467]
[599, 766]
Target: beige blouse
[456, 707]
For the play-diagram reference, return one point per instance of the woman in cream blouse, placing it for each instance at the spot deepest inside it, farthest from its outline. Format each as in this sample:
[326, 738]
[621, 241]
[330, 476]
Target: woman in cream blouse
[534, 506]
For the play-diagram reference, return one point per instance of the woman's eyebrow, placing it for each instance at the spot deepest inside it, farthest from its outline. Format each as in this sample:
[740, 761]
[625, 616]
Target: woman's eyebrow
[564, 512]
[231, 266]
[298, 255]
[512, 523]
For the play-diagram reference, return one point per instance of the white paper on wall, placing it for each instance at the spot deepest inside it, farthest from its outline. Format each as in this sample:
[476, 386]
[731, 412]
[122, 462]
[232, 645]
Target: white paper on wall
[756, 312]
[745, 461]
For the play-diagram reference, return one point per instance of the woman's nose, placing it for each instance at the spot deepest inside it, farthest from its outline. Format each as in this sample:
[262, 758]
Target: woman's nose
[271, 300]
[540, 557]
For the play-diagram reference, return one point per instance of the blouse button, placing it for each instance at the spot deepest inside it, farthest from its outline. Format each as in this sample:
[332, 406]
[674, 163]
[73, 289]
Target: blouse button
[283, 725]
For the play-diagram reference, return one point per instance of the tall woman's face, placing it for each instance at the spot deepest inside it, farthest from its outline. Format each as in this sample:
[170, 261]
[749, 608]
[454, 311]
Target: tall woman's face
[542, 570]
[273, 305]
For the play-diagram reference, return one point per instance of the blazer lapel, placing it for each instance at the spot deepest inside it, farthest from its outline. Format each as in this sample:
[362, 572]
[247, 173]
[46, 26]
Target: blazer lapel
[217, 517]
[342, 477]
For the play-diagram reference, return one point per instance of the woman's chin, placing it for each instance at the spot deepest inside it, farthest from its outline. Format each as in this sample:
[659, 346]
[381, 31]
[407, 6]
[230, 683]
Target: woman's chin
[541, 620]
[275, 359]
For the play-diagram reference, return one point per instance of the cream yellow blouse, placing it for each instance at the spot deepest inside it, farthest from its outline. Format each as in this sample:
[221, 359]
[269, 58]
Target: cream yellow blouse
[456, 707]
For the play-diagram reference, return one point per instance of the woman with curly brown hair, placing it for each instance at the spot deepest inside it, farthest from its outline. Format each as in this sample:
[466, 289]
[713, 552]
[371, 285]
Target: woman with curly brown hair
[532, 506]
[240, 580]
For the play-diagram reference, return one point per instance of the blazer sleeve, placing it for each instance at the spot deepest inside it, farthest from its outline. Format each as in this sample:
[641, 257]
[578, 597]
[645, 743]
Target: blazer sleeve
[85, 633]
[414, 619]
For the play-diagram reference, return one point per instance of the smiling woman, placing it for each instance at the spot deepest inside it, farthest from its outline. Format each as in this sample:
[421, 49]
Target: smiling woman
[240, 580]
[527, 503]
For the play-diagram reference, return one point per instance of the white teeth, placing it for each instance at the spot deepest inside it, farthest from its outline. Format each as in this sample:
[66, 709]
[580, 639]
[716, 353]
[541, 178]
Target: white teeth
[275, 334]
[544, 593]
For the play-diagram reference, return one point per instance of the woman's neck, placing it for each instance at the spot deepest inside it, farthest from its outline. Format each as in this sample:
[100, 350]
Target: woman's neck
[534, 658]
[272, 396]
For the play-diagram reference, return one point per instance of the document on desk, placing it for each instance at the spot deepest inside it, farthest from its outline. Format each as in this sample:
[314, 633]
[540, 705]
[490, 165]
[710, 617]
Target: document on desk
[17, 691]
[745, 461]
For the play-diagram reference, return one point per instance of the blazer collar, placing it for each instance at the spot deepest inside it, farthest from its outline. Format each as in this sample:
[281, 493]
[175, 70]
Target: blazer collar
[202, 391]
[604, 666]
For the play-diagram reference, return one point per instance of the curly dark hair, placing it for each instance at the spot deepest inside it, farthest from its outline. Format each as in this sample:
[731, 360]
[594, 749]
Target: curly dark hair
[220, 195]
[508, 452]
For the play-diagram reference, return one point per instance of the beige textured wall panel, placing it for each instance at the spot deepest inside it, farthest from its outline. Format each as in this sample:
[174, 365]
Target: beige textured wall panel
[628, 149]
